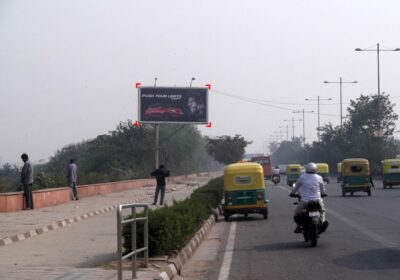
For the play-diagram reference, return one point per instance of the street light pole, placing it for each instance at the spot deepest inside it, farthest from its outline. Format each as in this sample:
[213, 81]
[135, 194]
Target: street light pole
[341, 102]
[319, 124]
[304, 124]
[287, 131]
[292, 120]
[378, 50]
[193, 78]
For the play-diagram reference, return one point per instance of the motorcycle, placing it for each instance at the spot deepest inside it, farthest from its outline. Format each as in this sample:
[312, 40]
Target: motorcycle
[310, 221]
[276, 179]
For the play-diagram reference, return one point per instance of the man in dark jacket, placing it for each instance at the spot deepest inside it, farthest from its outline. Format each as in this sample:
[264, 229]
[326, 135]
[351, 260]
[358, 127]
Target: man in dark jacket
[161, 173]
[72, 170]
[27, 181]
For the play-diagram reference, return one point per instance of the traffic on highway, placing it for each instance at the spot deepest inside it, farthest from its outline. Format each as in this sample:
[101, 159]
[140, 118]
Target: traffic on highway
[361, 242]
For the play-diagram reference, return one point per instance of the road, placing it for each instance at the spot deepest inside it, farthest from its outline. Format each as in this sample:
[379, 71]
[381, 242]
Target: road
[362, 241]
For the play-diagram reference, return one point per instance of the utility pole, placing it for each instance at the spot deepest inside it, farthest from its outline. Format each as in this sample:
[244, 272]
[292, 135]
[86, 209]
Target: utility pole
[157, 130]
[319, 124]
[292, 120]
[341, 106]
[193, 78]
[287, 131]
[304, 124]
[377, 50]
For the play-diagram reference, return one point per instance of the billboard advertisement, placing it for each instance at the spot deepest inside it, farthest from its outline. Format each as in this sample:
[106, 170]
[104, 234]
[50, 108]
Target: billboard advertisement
[173, 105]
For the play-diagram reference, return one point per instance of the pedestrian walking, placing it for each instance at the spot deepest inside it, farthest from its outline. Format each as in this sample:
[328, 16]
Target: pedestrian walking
[161, 173]
[72, 176]
[27, 181]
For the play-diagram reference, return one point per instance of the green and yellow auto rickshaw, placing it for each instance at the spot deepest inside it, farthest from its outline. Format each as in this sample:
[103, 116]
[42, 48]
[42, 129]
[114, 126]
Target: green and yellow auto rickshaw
[390, 172]
[293, 172]
[356, 176]
[244, 190]
[339, 172]
[323, 171]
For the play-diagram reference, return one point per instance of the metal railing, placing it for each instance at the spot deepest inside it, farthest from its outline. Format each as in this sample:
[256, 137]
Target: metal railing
[132, 221]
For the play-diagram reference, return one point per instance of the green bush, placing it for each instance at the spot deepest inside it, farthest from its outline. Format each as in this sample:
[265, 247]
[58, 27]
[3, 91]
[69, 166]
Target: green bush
[171, 227]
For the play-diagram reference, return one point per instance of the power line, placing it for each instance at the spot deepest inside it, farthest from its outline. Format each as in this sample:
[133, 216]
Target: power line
[271, 101]
[266, 102]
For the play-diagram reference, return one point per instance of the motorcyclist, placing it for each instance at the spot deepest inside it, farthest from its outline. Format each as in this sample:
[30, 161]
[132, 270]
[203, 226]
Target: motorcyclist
[275, 172]
[310, 187]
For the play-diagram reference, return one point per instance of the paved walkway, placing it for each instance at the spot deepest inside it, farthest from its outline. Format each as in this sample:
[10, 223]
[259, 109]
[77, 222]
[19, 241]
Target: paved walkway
[16, 227]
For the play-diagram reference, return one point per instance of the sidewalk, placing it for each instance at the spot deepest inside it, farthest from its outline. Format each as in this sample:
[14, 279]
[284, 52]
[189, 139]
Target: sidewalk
[18, 226]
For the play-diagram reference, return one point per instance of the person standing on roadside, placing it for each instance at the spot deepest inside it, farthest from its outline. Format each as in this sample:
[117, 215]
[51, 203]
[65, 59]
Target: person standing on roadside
[27, 181]
[71, 177]
[161, 173]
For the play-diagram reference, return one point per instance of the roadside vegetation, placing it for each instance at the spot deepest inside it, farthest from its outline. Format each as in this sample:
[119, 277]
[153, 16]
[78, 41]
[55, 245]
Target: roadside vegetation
[171, 227]
[125, 153]
[367, 132]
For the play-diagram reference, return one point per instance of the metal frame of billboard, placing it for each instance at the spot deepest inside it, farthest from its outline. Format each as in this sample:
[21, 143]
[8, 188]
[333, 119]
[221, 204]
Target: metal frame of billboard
[175, 96]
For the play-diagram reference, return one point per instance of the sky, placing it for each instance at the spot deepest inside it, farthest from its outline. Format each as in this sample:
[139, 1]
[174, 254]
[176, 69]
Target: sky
[68, 68]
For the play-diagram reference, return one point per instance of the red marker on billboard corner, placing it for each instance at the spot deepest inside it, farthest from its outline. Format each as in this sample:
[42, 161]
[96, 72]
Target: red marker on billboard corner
[209, 86]
[209, 124]
[138, 85]
[137, 124]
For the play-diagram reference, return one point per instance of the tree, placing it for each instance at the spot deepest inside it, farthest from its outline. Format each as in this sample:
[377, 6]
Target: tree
[372, 115]
[289, 152]
[226, 149]
[367, 133]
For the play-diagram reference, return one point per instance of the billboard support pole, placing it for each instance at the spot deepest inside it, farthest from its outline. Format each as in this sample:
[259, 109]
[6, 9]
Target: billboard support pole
[157, 128]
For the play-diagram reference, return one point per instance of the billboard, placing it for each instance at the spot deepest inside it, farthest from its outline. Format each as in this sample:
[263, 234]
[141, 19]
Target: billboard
[173, 105]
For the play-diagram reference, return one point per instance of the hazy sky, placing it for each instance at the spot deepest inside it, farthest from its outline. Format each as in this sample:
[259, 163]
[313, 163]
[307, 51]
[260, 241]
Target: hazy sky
[68, 67]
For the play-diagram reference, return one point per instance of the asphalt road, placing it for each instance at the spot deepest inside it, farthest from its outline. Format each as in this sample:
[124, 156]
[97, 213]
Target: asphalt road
[362, 241]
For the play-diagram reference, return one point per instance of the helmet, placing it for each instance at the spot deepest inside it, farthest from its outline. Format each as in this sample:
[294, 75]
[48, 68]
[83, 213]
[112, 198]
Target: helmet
[311, 167]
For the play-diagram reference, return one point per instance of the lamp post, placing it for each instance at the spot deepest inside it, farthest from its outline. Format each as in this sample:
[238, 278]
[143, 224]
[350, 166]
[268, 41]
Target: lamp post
[304, 124]
[292, 120]
[378, 50]
[318, 99]
[193, 78]
[340, 83]
[287, 131]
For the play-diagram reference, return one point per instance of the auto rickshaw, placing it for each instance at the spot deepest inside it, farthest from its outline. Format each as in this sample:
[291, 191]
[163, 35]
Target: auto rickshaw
[244, 190]
[339, 172]
[390, 172]
[293, 172]
[323, 171]
[356, 176]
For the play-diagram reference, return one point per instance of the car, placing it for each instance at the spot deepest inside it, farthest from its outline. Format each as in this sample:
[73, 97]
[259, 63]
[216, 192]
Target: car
[162, 112]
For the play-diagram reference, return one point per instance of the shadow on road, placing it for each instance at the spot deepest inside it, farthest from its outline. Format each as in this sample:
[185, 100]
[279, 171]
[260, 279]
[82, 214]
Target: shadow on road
[371, 260]
[98, 260]
[249, 218]
[281, 246]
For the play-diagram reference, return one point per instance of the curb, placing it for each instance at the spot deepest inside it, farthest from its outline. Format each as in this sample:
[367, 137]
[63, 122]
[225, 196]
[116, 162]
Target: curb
[188, 251]
[66, 222]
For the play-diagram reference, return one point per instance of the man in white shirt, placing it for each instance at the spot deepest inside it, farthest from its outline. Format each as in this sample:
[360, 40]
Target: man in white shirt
[310, 187]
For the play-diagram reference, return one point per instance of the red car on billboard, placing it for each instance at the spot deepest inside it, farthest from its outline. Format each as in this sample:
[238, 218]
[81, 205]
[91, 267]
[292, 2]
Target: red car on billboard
[162, 112]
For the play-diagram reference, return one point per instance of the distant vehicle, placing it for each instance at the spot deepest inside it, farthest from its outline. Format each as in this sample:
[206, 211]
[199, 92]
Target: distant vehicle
[265, 162]
[282, 169]
[339, 172]
[162, 112]
[293, 172]
[390, 172]
[356, 176]
[323, 171]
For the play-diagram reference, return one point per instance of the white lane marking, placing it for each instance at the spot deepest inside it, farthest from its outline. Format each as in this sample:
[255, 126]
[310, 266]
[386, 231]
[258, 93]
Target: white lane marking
[369, 233]
[227, 260]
